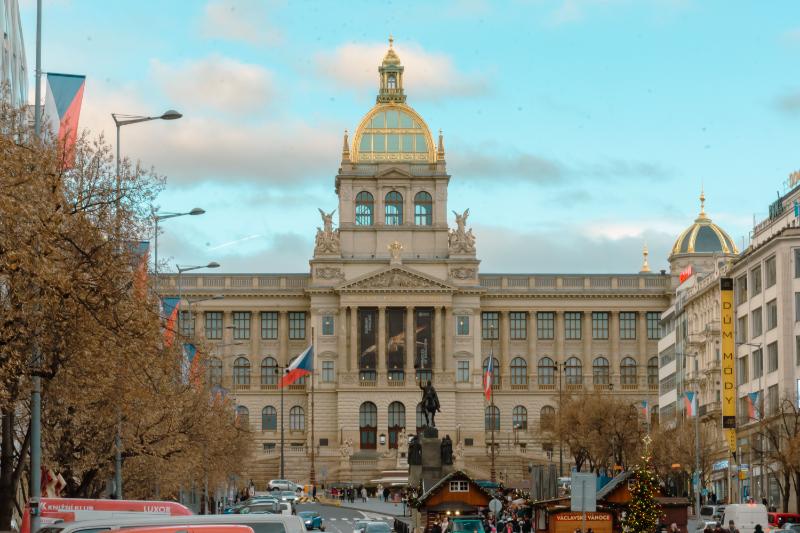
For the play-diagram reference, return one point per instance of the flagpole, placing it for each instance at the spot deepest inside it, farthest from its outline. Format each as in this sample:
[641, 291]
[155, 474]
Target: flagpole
[312, 474]
[492, 473]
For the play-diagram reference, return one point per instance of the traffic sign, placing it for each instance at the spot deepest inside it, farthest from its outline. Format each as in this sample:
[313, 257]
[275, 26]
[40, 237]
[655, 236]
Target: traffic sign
[584, 492]
[495, 506]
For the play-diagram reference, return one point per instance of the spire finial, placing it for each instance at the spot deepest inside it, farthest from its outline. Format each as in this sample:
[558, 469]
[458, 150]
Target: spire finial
[391, 40]
[440, 151]
[645, 264]
[345, 147]
[702, 202]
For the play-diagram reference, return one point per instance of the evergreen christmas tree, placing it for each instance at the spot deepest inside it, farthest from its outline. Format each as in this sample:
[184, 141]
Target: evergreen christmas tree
[643, 511]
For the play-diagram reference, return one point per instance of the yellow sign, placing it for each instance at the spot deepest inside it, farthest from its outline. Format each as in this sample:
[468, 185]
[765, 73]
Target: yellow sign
[728, 362]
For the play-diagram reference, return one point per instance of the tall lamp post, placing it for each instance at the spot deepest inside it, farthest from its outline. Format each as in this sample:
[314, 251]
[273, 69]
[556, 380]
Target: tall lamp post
[762, 489]
[492, 419]
[557, 369]
[164, 216]
[280, 371]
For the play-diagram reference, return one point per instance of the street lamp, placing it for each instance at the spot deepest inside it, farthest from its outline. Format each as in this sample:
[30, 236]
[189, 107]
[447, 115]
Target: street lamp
[182, 269]
[163, 216]
[556, 369]
[759, 346]
[125, 120]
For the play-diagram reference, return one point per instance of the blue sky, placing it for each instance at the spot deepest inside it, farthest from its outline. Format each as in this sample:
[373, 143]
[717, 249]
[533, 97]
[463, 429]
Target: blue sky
[575, 130]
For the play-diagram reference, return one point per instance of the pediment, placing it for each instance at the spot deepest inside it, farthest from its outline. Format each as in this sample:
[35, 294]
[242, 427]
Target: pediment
[396, 279]
[393, 171]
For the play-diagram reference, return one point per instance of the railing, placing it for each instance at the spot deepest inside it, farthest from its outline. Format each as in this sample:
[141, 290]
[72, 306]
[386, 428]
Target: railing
[630, 386]
[224, 281]
[547, 386]
[560, 283]
[653, 386]
[241, 386]
[269, 386]
[603, 386]
[573, 386]
[368, 383]
[396, 382]
[519, 386]
[297, 386]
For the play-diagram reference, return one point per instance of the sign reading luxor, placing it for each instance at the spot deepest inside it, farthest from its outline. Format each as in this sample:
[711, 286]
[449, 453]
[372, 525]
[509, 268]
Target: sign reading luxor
[728, 362]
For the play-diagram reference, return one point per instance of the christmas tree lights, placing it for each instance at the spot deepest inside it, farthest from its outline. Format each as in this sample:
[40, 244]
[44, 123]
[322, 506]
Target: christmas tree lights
[643, 510]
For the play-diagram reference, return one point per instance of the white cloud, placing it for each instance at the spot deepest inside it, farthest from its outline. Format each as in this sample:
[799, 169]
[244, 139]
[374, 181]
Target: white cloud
[427, 75]
[216, 82]
[240, 20]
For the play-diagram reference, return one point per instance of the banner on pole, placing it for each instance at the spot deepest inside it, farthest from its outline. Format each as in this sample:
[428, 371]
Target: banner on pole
[728, 362]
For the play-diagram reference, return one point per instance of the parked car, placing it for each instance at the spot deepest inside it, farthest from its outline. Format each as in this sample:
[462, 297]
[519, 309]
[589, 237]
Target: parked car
[288, 496]
[187, 529]
[746, 516]
[712, 512]
[780, 519]
[312, 520]
[702, 524]
[359, 525]
[260, 508]
[466, 524]
[282, 484]
[378, 527]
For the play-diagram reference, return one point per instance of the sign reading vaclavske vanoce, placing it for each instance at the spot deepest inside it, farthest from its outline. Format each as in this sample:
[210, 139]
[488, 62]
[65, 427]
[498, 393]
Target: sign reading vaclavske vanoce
[728, 362]
[577, 517]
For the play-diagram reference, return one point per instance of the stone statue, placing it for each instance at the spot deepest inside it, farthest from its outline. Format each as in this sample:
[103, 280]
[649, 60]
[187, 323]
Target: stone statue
[327, 240]
[414, 451]
[430, 403]
[461, 239]
[447, 450]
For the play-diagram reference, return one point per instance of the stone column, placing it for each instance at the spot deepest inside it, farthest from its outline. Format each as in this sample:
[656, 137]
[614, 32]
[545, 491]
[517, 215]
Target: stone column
[448, 332]
[641, 334]
[504, 342]
[531, 339]
[341, 338]
[352, 361]
[410, 344]
[613, 337]
[437, 339]
[283, 338]
[381, 366]
[558, 337]
[586, 335]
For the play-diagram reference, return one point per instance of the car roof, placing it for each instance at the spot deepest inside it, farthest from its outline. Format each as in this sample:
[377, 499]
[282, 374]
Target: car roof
[211, 528]
[165, 520]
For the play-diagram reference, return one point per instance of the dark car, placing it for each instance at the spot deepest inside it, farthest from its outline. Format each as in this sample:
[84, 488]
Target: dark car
[258, 508]
[312, 520]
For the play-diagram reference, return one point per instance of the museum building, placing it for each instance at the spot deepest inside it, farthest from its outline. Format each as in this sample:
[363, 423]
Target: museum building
[395, 298]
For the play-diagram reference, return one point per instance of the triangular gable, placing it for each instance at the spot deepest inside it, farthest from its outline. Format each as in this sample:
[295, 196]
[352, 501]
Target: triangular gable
[453, 476]
[396, 278]
[393, 170]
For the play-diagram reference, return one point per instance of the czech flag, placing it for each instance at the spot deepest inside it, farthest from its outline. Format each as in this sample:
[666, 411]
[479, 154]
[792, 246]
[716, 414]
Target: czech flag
[645, 409]
[301, 366]
[190, 369]
[141, 254]
[752, 410]
[487, 379]
[62, 108]
[690, 403]
[169, 311]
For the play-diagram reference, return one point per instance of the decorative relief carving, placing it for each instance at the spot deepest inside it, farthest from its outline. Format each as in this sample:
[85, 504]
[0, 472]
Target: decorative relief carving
[347, 379]
[346, 449]
[395, 249]
[330, 273]
[327, 240]
[464, 273]
[461, 239]
[395, 279]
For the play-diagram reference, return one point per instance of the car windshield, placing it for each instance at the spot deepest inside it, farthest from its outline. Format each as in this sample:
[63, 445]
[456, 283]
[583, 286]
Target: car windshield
[287, 493]
[467, 525]
[706, 511]
[378, 527]
[307, 514]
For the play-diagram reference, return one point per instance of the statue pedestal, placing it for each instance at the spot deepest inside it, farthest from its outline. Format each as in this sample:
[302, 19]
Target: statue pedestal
[431, 470]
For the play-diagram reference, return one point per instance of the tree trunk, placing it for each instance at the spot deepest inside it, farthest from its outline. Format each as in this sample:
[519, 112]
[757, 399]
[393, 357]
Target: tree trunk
[787, 484]
[10, 470]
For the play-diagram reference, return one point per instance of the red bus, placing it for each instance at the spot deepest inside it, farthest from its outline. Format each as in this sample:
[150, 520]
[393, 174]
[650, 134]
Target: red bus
[74, 509]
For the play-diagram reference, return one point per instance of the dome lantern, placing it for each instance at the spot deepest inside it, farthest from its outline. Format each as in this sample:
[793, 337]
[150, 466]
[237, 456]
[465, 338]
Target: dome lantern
[391, 77]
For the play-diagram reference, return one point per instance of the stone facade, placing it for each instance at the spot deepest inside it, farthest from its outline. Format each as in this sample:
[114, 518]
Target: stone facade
[394, 275]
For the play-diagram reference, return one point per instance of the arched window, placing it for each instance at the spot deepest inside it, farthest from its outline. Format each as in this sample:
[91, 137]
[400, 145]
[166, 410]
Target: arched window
[547, 418]
[492, 418]
[495, 370]
[214, 371]
[391, 82]
[652, 372]
[241, 371]
[519, 371]
[393, 206]
[297, 418]
[574, 371]
[269, 419]
[397, 421]
[519, 417]
[242, 416]
[627, 371]
[600, 371]
[546, 371]
[368, 425]
[365, 204]
[423, 209]
[269, 371]
[420, 417]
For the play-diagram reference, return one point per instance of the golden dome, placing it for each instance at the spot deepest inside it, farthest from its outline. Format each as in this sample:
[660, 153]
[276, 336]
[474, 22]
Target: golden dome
[391, 57]
[704, 237]
[393, 132]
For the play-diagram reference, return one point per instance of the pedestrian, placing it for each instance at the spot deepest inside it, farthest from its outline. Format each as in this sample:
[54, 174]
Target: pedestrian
[758, 529]
[386, 494]
[708, 529]
[436, 527]
[732, 527]
[673, 528]
[364, 494]
[527, 525]
[314, 493]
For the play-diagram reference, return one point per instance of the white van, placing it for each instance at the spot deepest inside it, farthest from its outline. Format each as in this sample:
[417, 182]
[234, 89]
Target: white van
[746, 516]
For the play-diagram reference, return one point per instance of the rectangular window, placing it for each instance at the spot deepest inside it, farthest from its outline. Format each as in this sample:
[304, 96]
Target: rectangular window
[241, 325]
[186, 324]
[627, 325]
[328, 375]
[742, 371]
[423, 356]
[367, 339]
[741, 329]
[545, 325]
[462, 325]
[755, 322]
[518, 324]
[772, 400]
[797, 307]
[772, 357]
[758, 363]
[667, 384]
[599, 325]
[572, 325]
[462, 372]
[491, 325]
[213, 325]
[396, 341]
[797, 350]
[772, 315]
[770, 272]
[269, 447]
[459, 486]
[269, 325]
[741, 289]
[797, 262]
[653, 331]
[755, 281]
[297, 325]
[327, 325]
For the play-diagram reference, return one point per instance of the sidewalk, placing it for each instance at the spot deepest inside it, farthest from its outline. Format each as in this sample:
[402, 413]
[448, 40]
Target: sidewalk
[374, 505]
